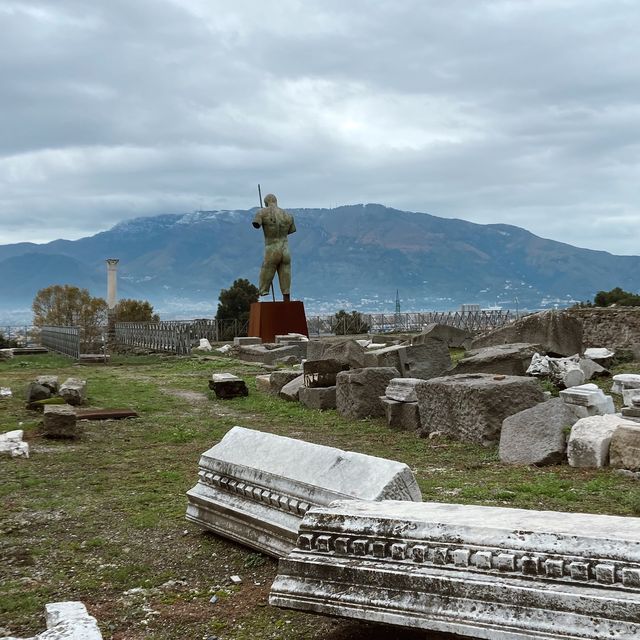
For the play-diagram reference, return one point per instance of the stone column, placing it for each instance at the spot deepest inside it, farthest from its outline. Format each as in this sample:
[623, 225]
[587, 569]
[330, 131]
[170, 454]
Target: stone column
[112, 295]
[112, 282]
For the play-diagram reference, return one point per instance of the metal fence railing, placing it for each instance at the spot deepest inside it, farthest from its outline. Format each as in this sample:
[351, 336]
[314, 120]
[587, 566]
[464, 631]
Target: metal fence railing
[170, 337]
[358, 323]
[65, 340]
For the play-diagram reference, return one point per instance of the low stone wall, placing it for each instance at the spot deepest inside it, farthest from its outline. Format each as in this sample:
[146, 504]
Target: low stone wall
[617, 328]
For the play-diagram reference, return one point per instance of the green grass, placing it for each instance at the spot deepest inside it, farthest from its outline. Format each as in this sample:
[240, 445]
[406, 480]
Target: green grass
[92, 519]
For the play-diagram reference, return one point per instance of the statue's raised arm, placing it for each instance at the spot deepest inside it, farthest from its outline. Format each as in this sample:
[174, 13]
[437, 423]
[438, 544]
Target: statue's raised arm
[276, 225]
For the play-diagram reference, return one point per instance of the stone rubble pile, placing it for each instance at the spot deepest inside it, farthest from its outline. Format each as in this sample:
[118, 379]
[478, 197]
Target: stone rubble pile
[46, 390]
[400, 404]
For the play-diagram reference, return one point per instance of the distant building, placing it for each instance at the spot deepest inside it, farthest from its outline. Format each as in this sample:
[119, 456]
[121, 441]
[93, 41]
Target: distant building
[469, 308]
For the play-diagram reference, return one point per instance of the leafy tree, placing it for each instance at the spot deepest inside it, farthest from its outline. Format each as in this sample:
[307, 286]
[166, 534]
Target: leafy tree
[235, 302]
[618, 297]
[128, 310]
[5, 343]
[65, 305]
[345, 323]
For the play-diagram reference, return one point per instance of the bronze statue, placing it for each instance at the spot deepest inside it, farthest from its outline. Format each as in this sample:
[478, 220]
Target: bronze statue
[276, 225]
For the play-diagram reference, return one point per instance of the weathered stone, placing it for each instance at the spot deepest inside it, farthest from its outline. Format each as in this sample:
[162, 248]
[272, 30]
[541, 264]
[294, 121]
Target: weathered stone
[226, 386]
[403, 389]
[347, 352]
[315, 349]
[631, 397]
[624, 452]
[51, 382]
[60, 421]
[588, 400]
[426, 360]
[471, 407]
[74, 391]
[36, 391]
[204, 345]
[401, 415]
[68, 621]
[241, 341]
[322, 373]
[291, 390]
[255, 487]
[453, 337]
[624, 381]
[482, 572]
[558, 332]
[563, 372]
[6, 354]
[592, 369]
[12, 444]
[505, 359]
[537, 435]
[321, 398]
[288, 360]
[263, 383]
[269, 354]
[279, 378]
[358, 391]
[599, 354]
[630, 412]
[588, 445]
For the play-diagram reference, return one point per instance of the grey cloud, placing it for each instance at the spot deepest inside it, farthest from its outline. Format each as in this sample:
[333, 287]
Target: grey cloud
[493, 111]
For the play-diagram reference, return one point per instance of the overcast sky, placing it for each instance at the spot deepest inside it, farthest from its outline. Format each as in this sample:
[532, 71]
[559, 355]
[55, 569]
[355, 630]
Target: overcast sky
[524, 112]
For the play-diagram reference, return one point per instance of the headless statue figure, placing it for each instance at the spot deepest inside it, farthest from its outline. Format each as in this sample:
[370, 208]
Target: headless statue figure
[276, 225]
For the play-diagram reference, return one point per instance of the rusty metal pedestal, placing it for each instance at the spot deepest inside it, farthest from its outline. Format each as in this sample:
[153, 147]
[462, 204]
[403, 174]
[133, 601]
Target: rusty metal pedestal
[270, 319]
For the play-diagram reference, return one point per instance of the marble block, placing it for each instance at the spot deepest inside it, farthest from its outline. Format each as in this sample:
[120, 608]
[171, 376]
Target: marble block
[67, 621]
[403, 389]
[60, 421]
[589, 441]
[482, 572]
[255, 487]
[588, 400]
[74, 391]
[624, 381]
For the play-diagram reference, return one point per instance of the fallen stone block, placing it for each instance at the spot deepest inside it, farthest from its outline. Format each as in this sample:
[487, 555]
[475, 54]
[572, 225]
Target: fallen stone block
[358, 391]
[631, 397]
[291, 390]
[471, 407]
[505, 359]
[401, 415]
[563, 372]
[269, 354]
[558, 332]
[624, 451]
[321, 398]
[255, 487]
[6, 354]
[588, 445]
[315, 349]
[403, 389]
[242, 341]
[453, 337]
[630, 412]
[68, 621]
[588, 400]
[74, 391]
[288, 360]
[263, 383]
[94, 358]
[60, 421]
[204, 345]
[599, 354]
[347, 352]
[537, 435]
[592, 369]
[226, 386]
[51, 382]
[322, 373]
[13, 445]
[36, 391]
[624, 381]
[481, 572]
[427, 360]
[105, 414]
[282, 377]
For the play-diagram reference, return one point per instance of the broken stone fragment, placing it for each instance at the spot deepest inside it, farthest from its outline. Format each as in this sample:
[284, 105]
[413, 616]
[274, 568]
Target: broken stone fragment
[60, 421]
[358, 391]
[401, 415]
[227, 386]
[624, 452]
[403, 389]
[51, 382]
[74, 391]
[588, 445]
[291, 390]
[321, 398]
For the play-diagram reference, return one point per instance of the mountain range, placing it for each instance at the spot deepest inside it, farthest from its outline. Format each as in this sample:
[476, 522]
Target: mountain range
[354, 256]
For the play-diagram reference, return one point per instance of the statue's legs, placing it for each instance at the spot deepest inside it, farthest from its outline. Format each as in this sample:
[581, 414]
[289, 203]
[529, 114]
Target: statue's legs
[284, 274]
[268, 270]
